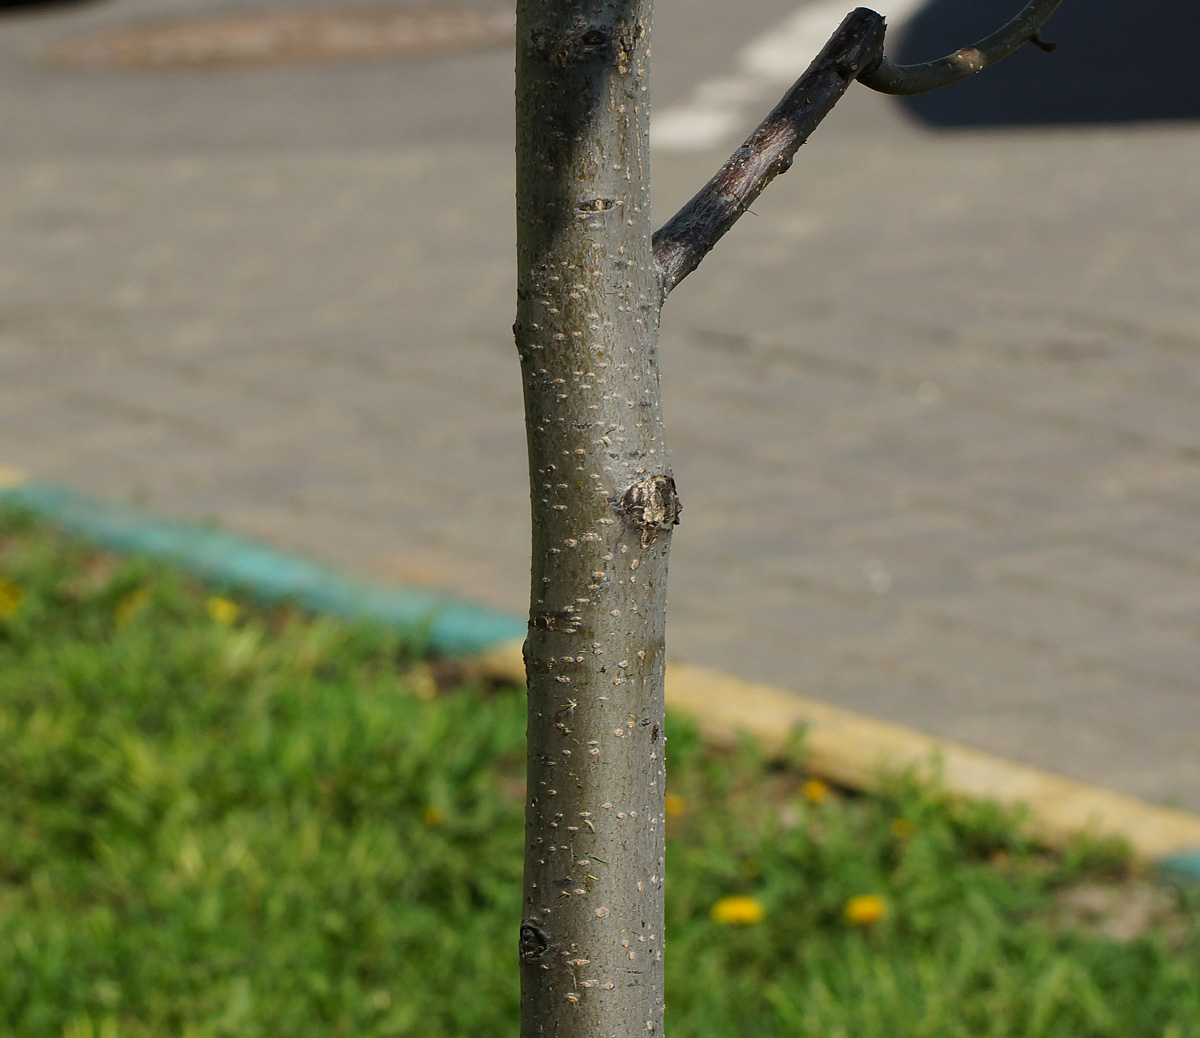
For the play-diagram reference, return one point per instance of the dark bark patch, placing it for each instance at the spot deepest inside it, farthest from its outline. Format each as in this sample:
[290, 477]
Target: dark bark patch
[535, 942]
[587, 206]
[566, 621]
[651, 504]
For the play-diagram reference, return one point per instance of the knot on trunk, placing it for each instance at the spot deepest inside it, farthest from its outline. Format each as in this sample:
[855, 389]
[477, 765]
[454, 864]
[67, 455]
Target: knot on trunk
[609, 44]
[651, 504]
[535, 942]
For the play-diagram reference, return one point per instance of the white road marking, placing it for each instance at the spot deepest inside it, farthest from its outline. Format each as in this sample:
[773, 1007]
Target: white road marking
[714, 111]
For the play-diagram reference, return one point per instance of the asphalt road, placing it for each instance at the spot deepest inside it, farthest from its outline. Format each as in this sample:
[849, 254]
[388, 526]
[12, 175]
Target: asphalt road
[933, 405]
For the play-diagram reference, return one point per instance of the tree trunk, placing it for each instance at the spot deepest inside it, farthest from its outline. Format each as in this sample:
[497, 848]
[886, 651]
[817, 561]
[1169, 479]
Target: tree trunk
[603, 505]
[590, 286]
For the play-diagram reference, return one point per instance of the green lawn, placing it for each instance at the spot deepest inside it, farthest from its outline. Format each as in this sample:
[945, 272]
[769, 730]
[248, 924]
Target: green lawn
[224, 820]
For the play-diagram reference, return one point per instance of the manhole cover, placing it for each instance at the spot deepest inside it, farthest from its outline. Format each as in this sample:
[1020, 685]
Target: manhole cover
[293, 37]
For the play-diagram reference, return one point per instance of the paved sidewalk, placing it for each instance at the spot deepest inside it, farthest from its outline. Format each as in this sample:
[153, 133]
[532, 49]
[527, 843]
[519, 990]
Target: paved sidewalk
[934, 407]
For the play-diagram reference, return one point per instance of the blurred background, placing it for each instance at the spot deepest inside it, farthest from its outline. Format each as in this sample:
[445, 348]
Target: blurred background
[932, 405]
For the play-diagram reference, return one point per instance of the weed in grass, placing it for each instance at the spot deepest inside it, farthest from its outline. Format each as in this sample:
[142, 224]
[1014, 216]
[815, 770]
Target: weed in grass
[246, 822]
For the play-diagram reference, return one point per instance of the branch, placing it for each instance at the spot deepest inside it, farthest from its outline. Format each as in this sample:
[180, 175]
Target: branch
[930, 75]
[684, 240]
[854, 51]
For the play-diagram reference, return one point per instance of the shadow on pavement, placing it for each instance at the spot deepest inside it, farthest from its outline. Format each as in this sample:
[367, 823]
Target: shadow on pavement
[33, 5]
[1116, 62]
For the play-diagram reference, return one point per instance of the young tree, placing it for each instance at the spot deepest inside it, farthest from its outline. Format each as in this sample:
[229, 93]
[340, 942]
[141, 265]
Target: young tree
[592, 279]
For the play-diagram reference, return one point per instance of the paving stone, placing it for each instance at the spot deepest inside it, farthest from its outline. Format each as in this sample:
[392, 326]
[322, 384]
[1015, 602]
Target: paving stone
[933, 409]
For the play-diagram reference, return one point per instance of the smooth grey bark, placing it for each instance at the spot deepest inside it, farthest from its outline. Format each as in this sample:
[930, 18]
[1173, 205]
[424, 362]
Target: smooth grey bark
[603, 506]
[590, 285]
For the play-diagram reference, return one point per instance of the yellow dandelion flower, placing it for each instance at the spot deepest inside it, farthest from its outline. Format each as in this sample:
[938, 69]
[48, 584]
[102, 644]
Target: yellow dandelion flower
[676, 808]
[738, 910]
[815, 791]
[222, 610]
[423, 683]
[901, 828]
[131, 605]
[11, 597]
[865, 909]
[433, 816]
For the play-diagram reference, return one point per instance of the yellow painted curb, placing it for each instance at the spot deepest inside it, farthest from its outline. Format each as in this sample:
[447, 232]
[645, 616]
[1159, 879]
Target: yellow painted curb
[10, 477]
[849, 748]
[857, 751]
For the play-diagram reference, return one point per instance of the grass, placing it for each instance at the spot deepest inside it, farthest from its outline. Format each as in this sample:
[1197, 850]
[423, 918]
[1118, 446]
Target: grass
[223, 820]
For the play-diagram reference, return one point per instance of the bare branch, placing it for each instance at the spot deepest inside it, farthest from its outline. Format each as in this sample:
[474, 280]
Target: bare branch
[854, 51]
[685, 239]
[930, 75]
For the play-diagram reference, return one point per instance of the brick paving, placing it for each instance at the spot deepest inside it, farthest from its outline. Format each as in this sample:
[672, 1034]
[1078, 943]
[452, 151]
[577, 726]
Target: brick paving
[934, 407]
